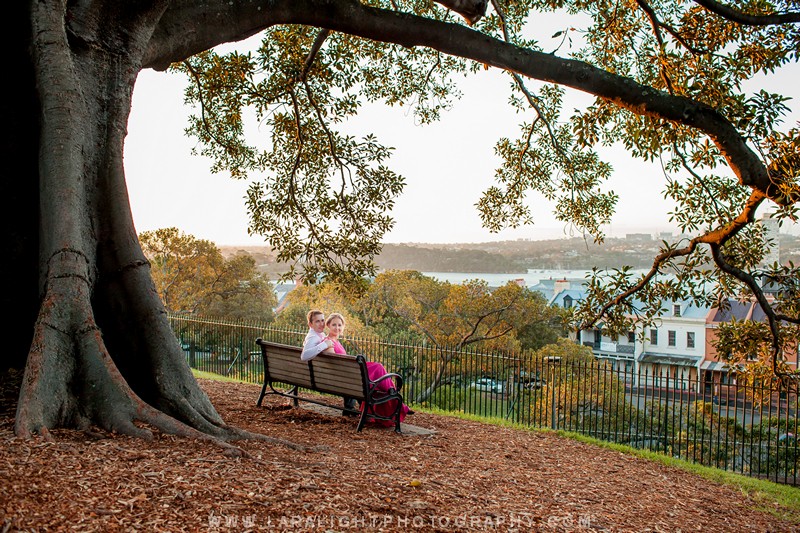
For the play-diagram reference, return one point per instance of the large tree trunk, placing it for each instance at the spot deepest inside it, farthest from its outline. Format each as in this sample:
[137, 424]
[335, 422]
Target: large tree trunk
[100, 350]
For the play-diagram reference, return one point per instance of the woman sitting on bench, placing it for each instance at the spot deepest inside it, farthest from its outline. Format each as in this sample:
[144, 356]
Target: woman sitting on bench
[335, 324]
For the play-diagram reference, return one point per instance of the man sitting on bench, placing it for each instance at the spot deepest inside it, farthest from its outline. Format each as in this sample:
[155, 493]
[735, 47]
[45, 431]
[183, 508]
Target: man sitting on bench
[316, 343]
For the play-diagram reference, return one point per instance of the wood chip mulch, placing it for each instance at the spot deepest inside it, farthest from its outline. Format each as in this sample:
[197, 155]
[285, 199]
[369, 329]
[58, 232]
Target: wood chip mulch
[467, 476]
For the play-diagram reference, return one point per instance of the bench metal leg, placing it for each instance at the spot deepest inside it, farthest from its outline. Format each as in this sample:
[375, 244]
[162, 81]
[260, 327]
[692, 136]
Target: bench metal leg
[363, 419]
[397, 416]
[263, 393]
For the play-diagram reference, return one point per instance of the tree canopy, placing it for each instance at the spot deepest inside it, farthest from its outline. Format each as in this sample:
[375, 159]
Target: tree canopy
[671, 86]
[456, 316]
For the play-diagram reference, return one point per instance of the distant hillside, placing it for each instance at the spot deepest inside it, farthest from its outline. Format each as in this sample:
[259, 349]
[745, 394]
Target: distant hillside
[264, 257]
[444, 259]
[637, 251]
[402, 257]
[576, 253]
[568, 254]
[505, 257]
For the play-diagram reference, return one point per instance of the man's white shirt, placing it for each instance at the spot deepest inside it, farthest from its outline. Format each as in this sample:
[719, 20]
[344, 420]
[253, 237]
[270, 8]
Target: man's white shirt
[313, 345]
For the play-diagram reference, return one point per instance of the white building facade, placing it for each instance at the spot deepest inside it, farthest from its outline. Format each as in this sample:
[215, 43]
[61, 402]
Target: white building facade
[668, 353]
[674, 348]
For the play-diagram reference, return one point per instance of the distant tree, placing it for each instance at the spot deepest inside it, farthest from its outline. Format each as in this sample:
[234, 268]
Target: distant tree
[453, 317]
[567, 351]
[536, 334]
[251, 298]
[184, 268]
[397, 298]
[327, 297]
[192, 276]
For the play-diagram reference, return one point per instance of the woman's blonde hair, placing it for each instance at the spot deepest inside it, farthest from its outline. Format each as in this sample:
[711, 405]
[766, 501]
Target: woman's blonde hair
[332, 316]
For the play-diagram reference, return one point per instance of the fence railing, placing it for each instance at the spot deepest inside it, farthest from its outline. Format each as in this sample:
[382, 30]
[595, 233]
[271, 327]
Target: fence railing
[749, 429]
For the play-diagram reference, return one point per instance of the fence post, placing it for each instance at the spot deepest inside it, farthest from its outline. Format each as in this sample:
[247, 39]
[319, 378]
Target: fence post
[552, 362]
[192, 355]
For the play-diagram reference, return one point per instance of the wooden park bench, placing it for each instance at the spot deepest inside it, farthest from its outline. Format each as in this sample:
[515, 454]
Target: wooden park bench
[339, 375]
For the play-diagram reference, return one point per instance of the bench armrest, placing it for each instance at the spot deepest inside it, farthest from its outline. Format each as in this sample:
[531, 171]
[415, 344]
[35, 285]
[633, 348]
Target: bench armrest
[398, 383]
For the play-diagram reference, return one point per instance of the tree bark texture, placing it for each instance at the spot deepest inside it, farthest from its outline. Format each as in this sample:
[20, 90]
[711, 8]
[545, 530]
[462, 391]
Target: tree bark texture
[100, 349]
[86, 321]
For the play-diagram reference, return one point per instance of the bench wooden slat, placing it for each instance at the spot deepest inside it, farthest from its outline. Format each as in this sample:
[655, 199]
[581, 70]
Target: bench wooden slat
[341, 375]
[353, 393]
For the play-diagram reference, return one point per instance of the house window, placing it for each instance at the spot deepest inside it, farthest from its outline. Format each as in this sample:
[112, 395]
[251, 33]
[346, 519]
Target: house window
[671, 338]
[690, 339]
[631, 337]
[567, 302]
[676, 310]
[653, 336]
[597, 336]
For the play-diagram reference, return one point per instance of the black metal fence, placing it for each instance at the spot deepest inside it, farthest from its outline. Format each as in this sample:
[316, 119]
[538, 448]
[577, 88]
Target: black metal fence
[750, 429]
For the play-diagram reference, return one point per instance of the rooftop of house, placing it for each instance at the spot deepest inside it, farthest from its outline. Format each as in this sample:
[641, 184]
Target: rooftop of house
[736, 310]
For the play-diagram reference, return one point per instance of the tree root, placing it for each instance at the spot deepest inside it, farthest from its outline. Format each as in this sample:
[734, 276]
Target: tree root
[71, 381]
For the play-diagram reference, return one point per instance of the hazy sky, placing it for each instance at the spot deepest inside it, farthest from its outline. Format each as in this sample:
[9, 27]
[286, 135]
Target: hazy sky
[447, 165]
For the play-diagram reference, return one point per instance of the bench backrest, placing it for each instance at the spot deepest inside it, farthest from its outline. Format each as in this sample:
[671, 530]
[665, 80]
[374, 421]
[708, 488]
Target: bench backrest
[343, 375]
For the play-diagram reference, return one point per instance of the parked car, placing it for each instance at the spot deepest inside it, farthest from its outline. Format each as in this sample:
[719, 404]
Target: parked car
[488, 385]
[535, 383]
[531, 380]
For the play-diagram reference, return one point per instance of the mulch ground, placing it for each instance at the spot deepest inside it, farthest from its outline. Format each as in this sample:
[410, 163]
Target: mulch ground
[467, 476]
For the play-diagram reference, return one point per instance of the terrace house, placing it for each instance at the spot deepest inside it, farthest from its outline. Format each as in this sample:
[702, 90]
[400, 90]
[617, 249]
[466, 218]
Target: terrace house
[620, 351]
[677, 351]
[716, 373]
[673, 349]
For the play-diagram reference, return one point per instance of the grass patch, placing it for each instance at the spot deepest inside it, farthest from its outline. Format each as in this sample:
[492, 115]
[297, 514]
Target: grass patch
[216, 377]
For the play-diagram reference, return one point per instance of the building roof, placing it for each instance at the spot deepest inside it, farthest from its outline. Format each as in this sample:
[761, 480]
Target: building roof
[719, 366]
[282, 290]
[574, 295]
[737, 310]
[688, 309]
[552, 286]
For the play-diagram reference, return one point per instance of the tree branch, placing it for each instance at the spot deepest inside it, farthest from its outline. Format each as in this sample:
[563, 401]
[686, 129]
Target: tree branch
[699, 178]
[171, 42]
[200, 98]
[716, 237]
[521, 84]
[318, 42]
[292, 177]
[740, 17]
[656, 24]
[471, 10]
